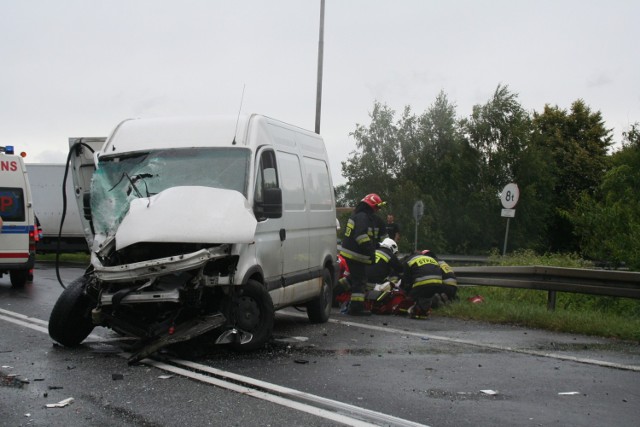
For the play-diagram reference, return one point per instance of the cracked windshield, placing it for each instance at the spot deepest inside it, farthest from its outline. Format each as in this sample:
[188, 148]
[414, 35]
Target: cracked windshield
[118, 180]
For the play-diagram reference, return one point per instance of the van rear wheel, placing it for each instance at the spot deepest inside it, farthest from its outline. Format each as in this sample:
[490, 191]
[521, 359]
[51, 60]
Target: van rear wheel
[319, 309]
[70, 321]
[251, 310]
[18, 278]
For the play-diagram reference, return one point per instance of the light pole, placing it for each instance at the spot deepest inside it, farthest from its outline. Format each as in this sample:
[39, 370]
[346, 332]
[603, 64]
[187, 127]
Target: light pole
[320, 57]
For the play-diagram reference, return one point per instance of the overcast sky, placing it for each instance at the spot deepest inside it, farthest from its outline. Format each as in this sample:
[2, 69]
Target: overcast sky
[79, 67]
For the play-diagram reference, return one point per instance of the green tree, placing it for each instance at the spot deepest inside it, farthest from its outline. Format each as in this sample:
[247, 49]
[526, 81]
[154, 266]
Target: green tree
[374, 164]
[498, 132]
[576, 145]
[608, 221]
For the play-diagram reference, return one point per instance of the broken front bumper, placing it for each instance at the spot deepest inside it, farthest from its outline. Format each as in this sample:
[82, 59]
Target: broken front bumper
[159, 267]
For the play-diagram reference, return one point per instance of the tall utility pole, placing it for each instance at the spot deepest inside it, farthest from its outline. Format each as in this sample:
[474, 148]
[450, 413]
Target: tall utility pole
[320, 55]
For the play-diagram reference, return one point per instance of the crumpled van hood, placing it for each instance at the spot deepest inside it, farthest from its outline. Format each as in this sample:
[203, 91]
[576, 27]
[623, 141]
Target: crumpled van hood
[188, 214]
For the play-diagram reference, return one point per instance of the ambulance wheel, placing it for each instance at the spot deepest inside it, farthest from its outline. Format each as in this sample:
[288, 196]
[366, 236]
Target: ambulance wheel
[18, 278]
[251, 310]
[319, 309]
[70, 321]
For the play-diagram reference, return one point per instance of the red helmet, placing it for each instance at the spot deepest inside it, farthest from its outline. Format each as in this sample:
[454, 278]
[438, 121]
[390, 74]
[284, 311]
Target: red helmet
[374, 201]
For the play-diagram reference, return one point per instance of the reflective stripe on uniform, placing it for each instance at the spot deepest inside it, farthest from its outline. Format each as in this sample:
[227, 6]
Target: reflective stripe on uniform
[428, 280]
[422, 260]
[381, 255]
[346, 253]
[450, 282]
[363, 238]
[357, 297]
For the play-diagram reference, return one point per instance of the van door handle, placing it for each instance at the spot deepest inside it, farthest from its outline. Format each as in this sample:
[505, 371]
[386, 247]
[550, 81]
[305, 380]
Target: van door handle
[283, 234]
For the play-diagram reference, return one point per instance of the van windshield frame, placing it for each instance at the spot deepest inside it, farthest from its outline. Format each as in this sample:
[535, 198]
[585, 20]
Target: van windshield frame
[120, 179]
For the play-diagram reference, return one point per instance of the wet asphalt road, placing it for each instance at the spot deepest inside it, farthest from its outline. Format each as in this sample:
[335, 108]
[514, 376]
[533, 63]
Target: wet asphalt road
[438, 372]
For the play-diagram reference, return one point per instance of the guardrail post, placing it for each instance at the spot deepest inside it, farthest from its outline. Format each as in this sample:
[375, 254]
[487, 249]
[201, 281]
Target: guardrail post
[551, 301]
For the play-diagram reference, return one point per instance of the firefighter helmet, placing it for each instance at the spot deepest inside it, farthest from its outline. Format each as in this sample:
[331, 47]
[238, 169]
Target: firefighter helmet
[390, 244]
[374, 201]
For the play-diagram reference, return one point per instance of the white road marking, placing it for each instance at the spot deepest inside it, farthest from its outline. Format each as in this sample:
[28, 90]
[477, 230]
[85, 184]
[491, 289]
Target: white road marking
[558, 356]
[274, 393]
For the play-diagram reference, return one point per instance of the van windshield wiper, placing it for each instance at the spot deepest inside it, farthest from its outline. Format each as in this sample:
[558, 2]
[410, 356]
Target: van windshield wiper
[132, 180]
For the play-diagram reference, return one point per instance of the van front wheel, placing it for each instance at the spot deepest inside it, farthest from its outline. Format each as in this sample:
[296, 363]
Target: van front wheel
[70, 321]
[319, 309]
[251, 310]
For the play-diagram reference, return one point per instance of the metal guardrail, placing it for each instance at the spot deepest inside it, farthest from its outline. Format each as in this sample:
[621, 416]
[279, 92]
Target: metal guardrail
[554, 279]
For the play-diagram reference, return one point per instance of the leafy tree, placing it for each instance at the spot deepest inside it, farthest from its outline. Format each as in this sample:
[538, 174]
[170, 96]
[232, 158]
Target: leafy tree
[576, 144]
[608, 221]
[374, 164]
[498, 132]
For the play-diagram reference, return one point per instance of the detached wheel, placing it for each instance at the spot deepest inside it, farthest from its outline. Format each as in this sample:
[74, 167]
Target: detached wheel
[70, 321]
[251, 310]
[319, 309]
[18, 278]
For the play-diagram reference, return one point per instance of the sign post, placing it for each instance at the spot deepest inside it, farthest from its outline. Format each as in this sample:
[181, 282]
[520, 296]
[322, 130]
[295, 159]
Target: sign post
[418, 212]
[509, 198]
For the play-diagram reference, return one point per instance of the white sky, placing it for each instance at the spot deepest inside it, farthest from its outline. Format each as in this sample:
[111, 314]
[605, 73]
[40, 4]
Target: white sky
[78, 67]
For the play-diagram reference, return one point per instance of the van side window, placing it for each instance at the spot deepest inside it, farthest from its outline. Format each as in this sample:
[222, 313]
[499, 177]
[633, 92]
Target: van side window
[266, 177]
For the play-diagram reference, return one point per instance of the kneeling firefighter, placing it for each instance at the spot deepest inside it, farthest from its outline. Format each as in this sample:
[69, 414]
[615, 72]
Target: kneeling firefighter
[387, 266]
[422, 279]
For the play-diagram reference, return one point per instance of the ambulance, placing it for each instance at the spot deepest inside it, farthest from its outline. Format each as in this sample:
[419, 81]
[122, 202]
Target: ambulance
[18, 235]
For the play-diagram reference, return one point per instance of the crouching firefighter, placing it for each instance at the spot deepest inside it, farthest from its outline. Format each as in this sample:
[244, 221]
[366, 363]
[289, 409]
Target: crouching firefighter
[358, 249]
[422, 279]
[446, 292]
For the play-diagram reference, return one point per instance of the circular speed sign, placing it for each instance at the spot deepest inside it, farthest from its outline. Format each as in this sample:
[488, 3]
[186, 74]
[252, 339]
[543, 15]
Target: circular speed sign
[509, 196]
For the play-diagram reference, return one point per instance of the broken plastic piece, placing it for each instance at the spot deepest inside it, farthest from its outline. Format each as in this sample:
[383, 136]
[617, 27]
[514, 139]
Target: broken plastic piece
[61, 404]
[489, 392]
[476, 299]
[568, 393]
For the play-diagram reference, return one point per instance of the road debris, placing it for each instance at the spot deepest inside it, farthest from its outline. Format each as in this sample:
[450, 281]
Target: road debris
[568, 393]
[61, 404]
[489, 392]
[476, 299]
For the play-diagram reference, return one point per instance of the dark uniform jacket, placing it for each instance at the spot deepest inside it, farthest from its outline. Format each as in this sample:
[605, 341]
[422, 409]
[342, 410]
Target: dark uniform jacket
[358, 243]
[448, 276]
[421, 270]
[386, 264]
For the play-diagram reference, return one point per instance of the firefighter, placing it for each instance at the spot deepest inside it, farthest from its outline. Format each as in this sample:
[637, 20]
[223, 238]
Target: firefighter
[387, 266]
[358, 249]
[447, 292]
[422, 279]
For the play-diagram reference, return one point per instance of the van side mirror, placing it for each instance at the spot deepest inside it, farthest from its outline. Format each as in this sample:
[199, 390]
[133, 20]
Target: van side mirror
[271, 206]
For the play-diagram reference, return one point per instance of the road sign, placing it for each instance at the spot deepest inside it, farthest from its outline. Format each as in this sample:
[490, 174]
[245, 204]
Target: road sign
[510, 195]
[418, 210]
[508, 213]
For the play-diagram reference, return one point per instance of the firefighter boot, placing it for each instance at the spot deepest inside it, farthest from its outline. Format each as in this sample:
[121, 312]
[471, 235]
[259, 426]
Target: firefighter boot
[356, 308]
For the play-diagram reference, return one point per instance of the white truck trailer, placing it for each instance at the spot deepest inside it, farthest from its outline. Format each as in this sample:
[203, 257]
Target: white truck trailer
[46, 190]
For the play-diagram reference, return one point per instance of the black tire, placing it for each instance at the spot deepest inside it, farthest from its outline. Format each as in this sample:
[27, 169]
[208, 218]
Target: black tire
[252, 311]
[319, 309]
[70, 321]
[18, 278]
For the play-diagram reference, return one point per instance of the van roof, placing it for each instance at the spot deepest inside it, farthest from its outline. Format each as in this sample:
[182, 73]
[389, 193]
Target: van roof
[169, 132]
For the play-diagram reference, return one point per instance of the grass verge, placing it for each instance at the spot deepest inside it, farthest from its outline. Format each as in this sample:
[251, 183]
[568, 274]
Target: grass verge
[610, 317]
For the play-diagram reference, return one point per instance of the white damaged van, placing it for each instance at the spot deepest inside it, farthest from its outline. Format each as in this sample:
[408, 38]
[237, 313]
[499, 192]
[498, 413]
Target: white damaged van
[200, 225]
[17, 224]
